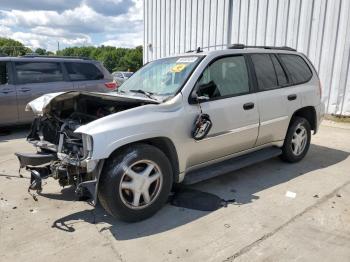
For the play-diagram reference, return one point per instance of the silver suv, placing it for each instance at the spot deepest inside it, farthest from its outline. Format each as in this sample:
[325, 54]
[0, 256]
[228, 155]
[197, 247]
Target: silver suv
[121, 77]
[25, 78]
[180, 119]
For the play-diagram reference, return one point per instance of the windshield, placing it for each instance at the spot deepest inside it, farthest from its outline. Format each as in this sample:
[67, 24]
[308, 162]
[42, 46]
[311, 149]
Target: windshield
[161, 77]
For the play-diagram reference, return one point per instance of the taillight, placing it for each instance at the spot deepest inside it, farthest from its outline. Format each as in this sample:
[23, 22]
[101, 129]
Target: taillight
[111, 85]
[320, 88]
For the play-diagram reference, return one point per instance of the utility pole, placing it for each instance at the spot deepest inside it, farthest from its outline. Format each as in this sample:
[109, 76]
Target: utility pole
[58, 45]
[229, 22]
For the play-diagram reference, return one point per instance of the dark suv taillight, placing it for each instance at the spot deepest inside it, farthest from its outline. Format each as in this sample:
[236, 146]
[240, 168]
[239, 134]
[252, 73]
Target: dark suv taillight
[111, 85]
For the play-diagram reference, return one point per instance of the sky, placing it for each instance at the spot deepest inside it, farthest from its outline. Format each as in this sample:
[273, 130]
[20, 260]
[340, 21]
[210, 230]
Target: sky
[43, 23]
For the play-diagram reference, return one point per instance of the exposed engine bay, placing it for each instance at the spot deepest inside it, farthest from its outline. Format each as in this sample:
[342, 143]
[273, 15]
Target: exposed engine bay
[61, 151]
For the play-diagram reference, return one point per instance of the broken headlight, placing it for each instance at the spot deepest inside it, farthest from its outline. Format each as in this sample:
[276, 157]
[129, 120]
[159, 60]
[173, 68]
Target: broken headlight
[88, 145]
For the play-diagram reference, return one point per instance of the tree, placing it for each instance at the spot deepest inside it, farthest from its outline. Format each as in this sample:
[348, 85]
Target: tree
[12, 47]
[132, 60]
[40, 51]
[114, 59]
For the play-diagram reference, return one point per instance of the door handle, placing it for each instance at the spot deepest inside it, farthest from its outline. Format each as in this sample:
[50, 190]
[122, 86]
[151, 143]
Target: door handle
[248, 106]
[6, 91]
[292, 97]
[25, 89]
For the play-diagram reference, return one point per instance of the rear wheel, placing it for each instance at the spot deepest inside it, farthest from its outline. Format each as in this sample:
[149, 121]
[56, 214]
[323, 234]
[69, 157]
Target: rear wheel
[297, 141]
[136, 183]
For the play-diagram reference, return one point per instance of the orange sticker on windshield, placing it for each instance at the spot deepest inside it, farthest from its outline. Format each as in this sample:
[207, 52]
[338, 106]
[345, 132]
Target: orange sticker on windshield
[178, 68]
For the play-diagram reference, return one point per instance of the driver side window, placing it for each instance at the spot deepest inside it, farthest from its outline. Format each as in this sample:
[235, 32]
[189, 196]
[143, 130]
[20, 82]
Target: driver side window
[225, 77]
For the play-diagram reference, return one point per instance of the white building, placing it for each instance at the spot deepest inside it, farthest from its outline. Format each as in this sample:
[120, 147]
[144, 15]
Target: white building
[318, 28]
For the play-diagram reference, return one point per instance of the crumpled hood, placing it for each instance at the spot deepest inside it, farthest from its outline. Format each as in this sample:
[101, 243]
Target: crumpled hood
[37, 105]
[40, 105]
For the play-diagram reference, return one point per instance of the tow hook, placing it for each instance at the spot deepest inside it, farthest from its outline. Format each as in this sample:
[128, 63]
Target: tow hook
[35, 181]
[36, 176]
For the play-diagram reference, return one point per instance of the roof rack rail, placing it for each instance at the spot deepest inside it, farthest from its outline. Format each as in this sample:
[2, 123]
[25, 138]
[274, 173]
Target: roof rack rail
[242, 46]
[198, 50]
[54, 56]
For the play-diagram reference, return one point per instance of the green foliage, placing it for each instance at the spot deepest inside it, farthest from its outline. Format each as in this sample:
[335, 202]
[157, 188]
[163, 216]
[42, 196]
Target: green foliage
[113, 58]
[41, 51]
[12, 47]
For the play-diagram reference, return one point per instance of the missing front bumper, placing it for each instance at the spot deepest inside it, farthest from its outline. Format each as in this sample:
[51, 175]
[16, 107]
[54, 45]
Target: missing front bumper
[34, 159]
[44, 165]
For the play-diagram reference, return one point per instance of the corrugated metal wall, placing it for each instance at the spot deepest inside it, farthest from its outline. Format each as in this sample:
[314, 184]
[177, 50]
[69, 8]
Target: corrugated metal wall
[318, 28]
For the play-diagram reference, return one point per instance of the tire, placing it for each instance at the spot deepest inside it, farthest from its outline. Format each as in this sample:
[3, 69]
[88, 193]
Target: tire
[125, 175]
[290, 152]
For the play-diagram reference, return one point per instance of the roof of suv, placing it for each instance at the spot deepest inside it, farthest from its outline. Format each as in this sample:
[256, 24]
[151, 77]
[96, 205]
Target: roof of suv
[239, 49]
[45, 58]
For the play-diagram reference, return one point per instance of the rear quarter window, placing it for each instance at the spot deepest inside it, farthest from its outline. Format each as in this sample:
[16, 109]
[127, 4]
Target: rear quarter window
[297, 67]
[83, 71]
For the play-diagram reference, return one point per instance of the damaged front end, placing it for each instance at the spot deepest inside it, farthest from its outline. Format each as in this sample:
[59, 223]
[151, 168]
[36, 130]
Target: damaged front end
[62, 153]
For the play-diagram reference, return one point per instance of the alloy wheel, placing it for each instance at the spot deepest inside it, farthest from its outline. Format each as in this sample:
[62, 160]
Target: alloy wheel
[299, 140]
[140, 184]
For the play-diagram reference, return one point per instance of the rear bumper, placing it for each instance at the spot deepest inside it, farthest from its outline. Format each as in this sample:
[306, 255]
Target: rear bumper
[320, 112]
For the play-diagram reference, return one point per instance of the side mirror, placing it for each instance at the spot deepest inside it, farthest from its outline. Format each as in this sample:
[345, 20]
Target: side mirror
[202, 127]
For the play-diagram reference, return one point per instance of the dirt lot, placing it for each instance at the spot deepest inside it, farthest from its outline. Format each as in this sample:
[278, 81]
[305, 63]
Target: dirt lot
[264, 224]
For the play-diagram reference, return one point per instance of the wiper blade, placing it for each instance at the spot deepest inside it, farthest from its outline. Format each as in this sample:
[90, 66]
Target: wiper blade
[148, 94]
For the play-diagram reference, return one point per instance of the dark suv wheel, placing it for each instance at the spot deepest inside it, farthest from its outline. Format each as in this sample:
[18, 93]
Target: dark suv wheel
[297, 141]
[136, 182]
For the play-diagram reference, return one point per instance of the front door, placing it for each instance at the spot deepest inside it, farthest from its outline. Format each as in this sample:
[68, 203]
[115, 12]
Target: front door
[8, 99]
[231, 107]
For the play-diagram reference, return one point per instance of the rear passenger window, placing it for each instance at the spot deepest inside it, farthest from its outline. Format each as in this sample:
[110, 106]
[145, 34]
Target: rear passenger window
[83, 71]
[297, 68]
[281, 75]
[265, 72]
[38, 72]
[3, 73]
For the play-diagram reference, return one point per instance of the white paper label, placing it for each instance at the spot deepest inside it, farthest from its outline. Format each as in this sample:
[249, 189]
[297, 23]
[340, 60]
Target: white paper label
[189, 59]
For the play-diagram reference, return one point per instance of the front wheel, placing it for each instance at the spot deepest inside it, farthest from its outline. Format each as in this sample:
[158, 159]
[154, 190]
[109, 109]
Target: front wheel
[297, 141]
[135, 183]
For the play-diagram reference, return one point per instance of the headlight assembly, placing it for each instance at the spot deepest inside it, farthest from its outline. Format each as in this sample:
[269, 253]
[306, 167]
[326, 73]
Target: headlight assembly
[88, 144]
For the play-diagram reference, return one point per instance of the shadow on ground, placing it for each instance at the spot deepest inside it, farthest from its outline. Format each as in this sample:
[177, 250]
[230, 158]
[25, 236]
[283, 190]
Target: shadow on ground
[241, 185]
[67, 194]
[15, 132]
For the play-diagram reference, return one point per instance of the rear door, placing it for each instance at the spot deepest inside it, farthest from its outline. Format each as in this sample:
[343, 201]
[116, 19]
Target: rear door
[34, 79]
[300, 74]
[86, 76]
[274, 89]
[8, 98]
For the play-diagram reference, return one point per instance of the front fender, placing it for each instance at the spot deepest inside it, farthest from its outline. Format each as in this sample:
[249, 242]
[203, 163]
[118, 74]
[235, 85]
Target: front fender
[144, 122]
[105, 152]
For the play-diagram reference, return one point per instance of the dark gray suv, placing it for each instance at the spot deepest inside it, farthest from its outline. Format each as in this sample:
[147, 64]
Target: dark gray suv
[23, 79]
